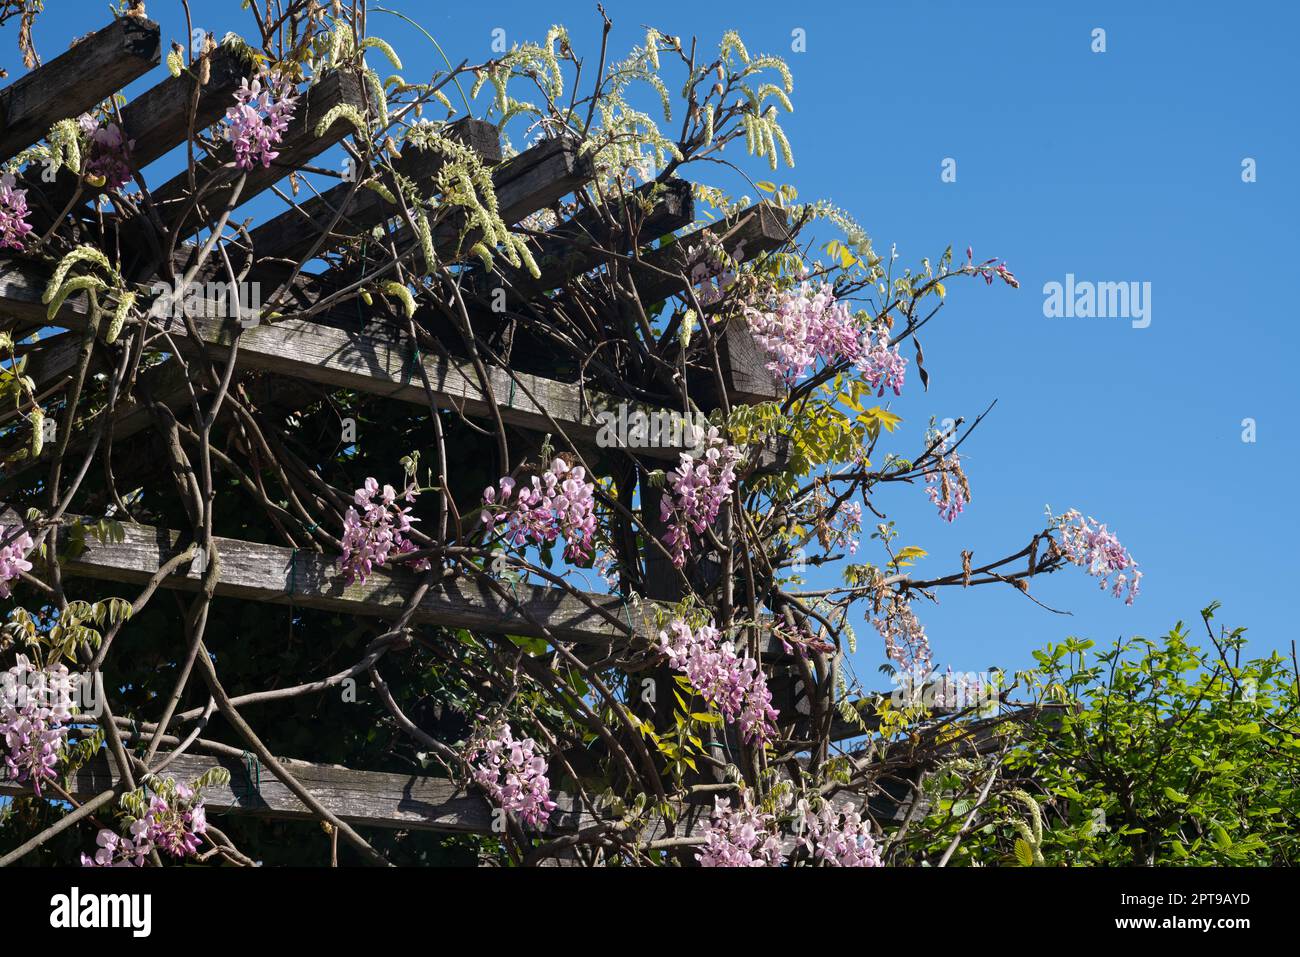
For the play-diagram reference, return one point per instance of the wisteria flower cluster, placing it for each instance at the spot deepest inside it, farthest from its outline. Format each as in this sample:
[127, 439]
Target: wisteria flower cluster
[734, 685]
[13, 558]
[906, 643]
[881, 365]
[739, 837]
[843, 527]
[805, 325]
[513, 774]
[375, 528]
[13, 214]
[837, 837]
[258, 120]
[946, 484]
[559, 502]
[696, 490]
[174, 823]
[35, 708]
[109, 152]
[1094, 548]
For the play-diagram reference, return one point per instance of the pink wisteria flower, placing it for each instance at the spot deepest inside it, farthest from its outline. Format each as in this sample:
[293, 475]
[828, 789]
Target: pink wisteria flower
[258, 120]
[906, 643]
[116, 850]
[13, 214]
[696, 491]
[13, 558]
[805, 325]
[512, 774]
[739, 837]
[730, 683]
[109, 153]
[559, 502]
[1094, 548]
[176, 821]
[837, 837]
[375, 528]
[946, 483]
[35, 708]
[882, 366]
[712, 269]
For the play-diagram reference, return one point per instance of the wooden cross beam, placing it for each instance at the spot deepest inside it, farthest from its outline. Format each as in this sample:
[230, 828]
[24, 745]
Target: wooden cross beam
[295, 231]
[75, 81]
[308, 579]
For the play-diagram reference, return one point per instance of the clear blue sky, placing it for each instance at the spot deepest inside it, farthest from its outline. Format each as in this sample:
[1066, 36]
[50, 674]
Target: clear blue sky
[1115, 166]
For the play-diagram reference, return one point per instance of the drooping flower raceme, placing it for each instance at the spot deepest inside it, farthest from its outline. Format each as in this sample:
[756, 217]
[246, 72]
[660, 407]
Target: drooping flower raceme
[734, 685]
[513, 774]
[258, 120]
[375, 528]
[109, 153]
[559, 502]
[176, 819]
[837, 837]
[13, 214]
[946, 483]
[696, 490]
[906, 643]
[739, 837]
[881, 365]
[805, 325]
[13, 559]
[35, 707]
[1094, 548]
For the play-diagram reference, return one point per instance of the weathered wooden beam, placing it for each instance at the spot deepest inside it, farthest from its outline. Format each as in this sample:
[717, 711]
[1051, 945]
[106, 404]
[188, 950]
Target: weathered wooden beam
[294, 232]
[371, 798]
[759, 229]
[73, 82]
[300, 143]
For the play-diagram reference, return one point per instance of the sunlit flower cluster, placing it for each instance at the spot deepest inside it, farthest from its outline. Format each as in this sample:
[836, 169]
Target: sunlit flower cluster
[906, 643]
[375, 528]
[13, 214]
[946, 483]
[1094, 548]
[805, 325]
[120, 850]
[836, 837]
[734, 685]
[258, 120]
[559, 502]
[989, 269]
[696, 490]
[739, 837]
[13, 558]
[109, 152]
[174, 823]
[512, 774]
[35, 708]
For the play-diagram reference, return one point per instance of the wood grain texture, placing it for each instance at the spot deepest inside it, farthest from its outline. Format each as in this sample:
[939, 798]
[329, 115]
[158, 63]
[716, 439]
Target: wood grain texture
[75, 81]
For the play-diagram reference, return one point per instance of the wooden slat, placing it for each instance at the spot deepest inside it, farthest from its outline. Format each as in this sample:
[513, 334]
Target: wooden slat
[759, 229]
[365, 361]
[75, 81]
[295, 231]
[373, 798]
[299, 144]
